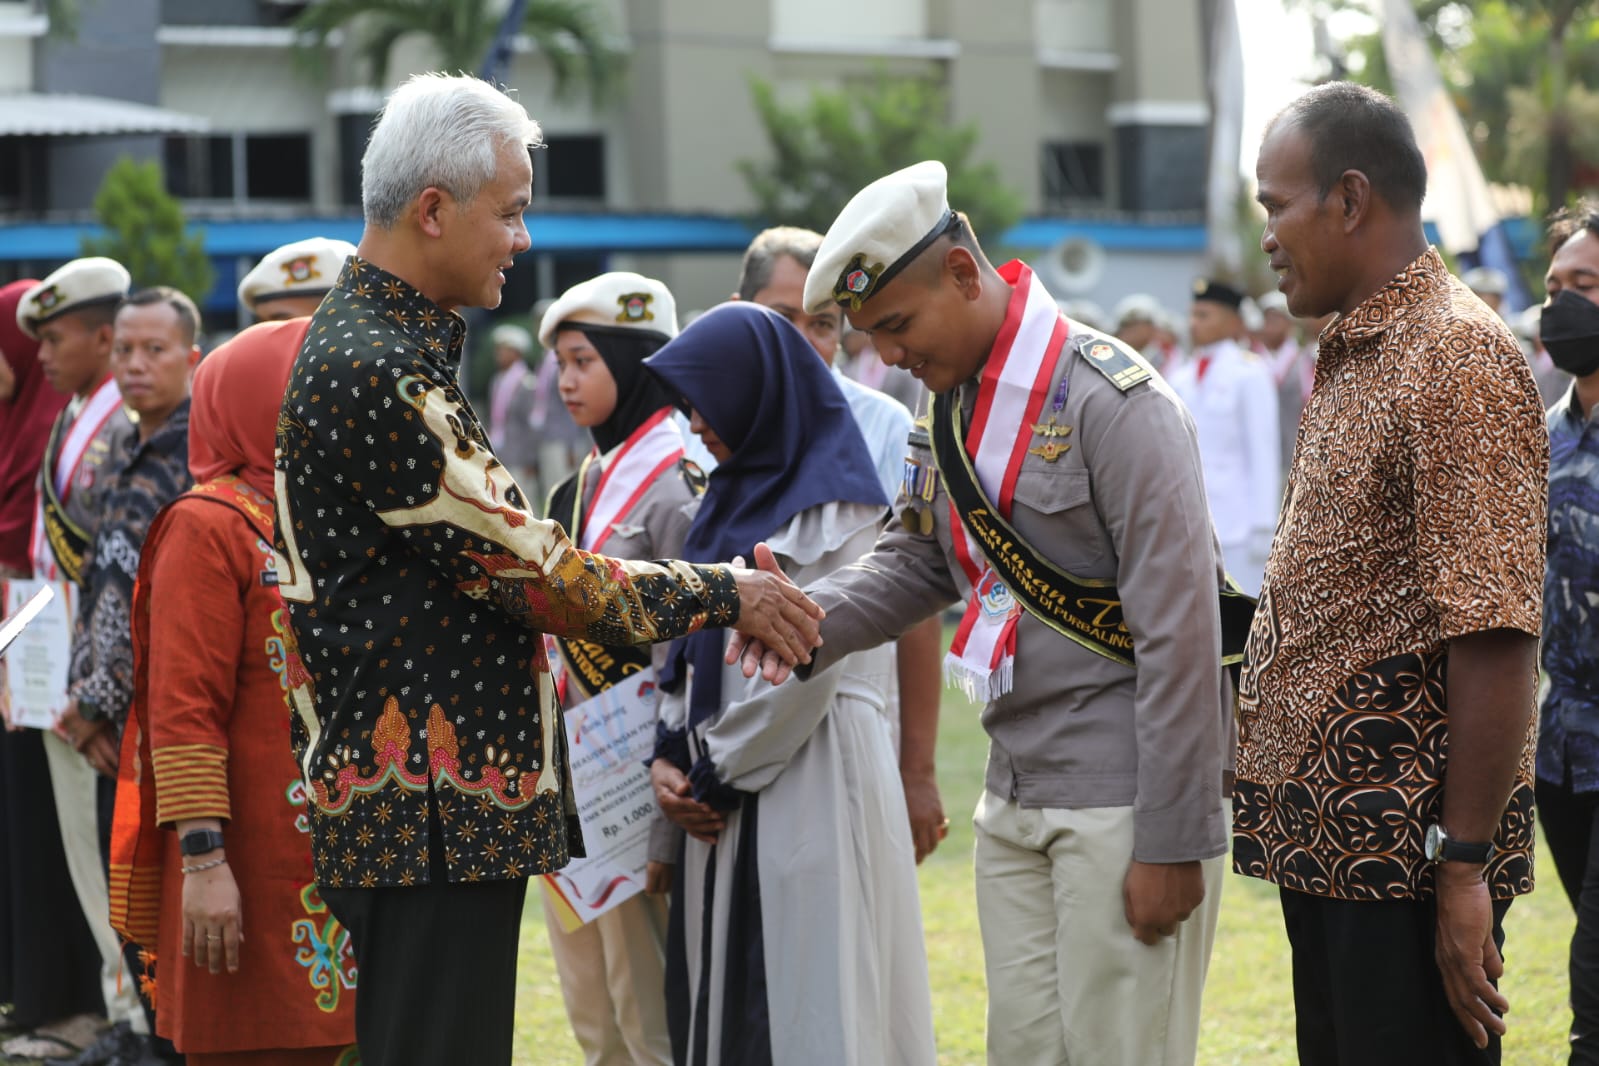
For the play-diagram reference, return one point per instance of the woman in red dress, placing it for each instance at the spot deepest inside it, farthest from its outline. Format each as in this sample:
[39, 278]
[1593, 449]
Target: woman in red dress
[210, 861]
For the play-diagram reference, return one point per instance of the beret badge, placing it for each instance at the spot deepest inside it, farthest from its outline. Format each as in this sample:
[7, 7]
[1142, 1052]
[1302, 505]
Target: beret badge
[635, 307]
[299, 270]
[48, 298]
[856, 282]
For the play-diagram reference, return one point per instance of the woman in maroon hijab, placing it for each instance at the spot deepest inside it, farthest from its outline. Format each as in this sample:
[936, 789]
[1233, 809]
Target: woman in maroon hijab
[28, 405]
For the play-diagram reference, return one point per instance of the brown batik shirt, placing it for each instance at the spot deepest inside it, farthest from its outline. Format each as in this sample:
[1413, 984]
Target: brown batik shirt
[418, 587]
[1415, 514]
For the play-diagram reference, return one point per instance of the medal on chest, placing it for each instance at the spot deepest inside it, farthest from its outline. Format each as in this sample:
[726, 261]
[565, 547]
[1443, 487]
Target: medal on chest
[920, 485]
[1053, 443]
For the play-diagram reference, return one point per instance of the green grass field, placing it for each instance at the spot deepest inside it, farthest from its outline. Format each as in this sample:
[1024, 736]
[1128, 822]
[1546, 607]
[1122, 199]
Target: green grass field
[1248, 1017]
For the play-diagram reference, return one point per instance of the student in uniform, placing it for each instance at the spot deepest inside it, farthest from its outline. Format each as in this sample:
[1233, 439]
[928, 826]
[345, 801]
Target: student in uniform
[289, 282]
[796, 927]
[1233, 399]
[71, 313]
[1066, 506]
[629, 499]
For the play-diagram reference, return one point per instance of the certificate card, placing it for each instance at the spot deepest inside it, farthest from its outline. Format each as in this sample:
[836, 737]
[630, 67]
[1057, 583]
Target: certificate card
[611, 737]
[35, 662]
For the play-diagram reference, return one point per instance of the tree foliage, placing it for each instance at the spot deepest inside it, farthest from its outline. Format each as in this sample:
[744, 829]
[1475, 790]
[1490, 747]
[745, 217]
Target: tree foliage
[825, 150]
[570, 34]
[146, 231]
[1519, 72]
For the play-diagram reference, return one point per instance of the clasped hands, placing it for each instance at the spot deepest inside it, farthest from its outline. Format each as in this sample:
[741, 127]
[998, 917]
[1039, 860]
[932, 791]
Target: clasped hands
[774, 616]
[95, 740]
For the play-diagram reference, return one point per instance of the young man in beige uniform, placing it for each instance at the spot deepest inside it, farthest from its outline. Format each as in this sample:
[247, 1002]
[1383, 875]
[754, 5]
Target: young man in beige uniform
[1102, 827]
[71, 313]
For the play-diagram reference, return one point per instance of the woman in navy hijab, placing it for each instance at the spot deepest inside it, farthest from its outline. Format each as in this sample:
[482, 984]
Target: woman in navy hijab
[796, 927]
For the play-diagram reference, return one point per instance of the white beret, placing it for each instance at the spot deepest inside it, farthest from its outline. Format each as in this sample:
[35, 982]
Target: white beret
[512, 336]
[1139, 307]
[1486, 280]
[620, 299]
[81, 283]
[882, 229]
[305, 268]
[1087, 312]
[1272, 300]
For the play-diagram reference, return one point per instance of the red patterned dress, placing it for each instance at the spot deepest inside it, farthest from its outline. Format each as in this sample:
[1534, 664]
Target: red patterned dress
[210, 738]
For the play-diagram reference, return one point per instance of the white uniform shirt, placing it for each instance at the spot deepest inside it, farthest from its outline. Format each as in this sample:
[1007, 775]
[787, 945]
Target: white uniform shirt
[1234, 403]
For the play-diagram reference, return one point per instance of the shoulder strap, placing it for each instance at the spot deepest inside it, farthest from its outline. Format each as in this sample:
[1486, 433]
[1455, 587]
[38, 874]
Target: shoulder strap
[1114, 359]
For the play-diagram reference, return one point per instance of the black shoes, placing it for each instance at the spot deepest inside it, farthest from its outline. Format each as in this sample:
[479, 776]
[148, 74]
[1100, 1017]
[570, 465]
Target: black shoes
[117, 1046]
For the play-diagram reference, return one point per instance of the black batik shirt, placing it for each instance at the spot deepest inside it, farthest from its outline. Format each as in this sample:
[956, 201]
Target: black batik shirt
[419, 586]
[141, 477]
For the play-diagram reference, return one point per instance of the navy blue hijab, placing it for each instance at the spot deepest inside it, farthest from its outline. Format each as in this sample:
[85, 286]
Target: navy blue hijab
[760, 385]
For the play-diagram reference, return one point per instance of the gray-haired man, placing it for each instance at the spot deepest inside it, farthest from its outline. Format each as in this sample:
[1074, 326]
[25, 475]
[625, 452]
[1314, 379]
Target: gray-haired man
[419, 585]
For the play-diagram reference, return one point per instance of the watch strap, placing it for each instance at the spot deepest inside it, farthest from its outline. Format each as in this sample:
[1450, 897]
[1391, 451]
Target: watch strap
[200, 841]
[1451, 850]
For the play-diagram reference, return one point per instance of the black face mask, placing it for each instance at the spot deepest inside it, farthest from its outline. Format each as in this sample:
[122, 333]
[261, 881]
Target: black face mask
[1569, 329]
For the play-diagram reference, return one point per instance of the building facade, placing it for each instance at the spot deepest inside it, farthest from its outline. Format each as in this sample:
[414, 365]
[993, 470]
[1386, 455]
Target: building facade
[1092, 110]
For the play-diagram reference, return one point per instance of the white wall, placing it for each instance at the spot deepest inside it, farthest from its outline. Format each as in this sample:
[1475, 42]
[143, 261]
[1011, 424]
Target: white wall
[1073, 25]
[861, 20]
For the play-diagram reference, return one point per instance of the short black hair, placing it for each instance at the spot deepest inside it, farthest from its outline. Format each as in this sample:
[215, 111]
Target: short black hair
[95, 315]
[1352, 127]
[188, 314]
[1567, 222]
[957, 231]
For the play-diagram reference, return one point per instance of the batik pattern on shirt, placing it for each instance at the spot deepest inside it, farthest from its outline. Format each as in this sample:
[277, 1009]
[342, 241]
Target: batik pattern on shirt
[1568, 725]
[418, 584]
[143, 477]
[1415, 514]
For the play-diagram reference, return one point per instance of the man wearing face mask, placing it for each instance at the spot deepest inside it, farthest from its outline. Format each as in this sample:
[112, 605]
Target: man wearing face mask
[1568, 729]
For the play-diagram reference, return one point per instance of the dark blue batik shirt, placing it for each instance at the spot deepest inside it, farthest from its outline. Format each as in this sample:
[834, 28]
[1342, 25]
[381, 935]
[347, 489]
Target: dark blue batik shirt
[1568, 725]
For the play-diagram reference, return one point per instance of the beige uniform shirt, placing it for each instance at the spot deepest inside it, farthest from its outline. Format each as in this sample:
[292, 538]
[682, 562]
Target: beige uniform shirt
[1126, 502]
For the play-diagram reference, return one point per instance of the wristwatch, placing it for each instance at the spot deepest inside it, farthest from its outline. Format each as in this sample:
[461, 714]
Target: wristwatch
[200, 841]
[1440, 847]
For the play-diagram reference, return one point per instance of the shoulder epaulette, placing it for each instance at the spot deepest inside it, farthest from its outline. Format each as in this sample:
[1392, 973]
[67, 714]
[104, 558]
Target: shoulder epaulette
[695, 478]
[1114, 359]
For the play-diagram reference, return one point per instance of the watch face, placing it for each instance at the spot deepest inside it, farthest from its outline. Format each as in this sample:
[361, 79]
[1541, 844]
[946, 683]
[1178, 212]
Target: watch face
[1434, 842]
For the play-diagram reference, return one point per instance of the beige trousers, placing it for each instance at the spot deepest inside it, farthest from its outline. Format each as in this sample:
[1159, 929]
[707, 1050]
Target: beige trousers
[72, 781]
[613, 978]
[1067, 982]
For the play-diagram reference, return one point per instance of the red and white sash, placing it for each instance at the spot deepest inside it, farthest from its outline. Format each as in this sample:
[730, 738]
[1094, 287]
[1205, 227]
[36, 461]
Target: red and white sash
[1010, 399]
[96, 411]
[651, 450]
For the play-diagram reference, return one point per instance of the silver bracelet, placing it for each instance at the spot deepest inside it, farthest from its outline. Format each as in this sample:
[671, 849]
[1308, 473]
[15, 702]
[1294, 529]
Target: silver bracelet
[212, 865]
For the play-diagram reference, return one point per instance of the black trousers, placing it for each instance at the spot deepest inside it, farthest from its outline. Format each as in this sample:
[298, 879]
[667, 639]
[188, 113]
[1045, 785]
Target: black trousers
[437, 967]
[1367, 991]
[1571, 828]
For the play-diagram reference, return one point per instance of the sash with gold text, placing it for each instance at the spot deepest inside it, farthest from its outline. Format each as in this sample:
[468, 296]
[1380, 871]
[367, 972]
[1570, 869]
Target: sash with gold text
[59, 543]
[1085, 611]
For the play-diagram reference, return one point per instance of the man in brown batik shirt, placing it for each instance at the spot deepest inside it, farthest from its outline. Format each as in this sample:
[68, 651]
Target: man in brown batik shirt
[1386, 729]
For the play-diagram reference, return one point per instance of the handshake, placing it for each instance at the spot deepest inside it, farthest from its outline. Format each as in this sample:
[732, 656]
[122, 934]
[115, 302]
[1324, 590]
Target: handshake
[777, 625]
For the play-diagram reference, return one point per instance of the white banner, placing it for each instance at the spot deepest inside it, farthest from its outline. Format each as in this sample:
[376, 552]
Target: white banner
[1457, 194]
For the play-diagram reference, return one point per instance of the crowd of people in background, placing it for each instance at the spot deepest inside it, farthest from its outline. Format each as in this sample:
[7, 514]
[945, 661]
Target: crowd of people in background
[327, 610]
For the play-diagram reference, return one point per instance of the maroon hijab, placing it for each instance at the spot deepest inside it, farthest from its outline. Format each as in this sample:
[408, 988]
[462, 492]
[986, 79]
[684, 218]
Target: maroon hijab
[25, 421]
